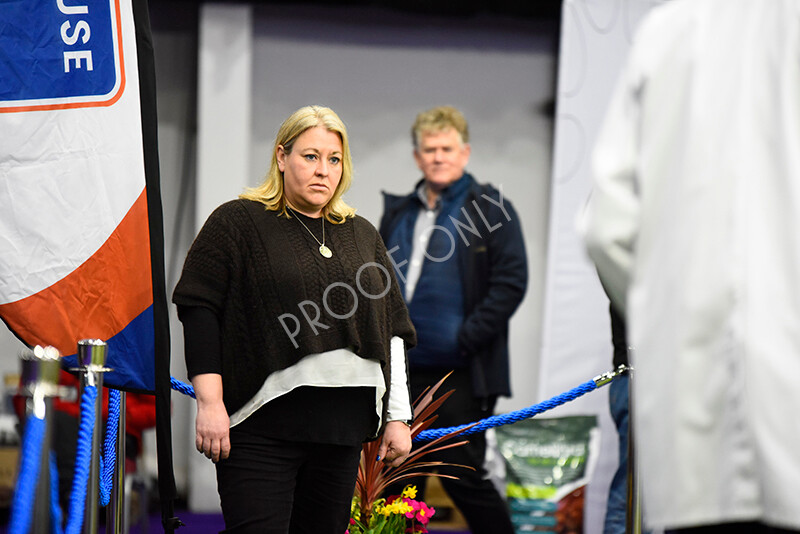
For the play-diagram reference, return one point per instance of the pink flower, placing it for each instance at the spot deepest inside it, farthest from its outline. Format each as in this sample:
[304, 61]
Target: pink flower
[424, 513]
[414, 507]
[419, 511]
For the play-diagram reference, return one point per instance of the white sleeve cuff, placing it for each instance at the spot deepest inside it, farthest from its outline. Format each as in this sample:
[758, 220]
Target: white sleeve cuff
[399, 408]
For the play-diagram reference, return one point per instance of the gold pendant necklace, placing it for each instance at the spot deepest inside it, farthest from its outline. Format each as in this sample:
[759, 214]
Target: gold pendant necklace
[325, 251]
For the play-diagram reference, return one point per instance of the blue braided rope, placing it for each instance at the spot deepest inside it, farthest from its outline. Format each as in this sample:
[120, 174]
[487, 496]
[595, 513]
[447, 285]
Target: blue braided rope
[108, 460]
[181, 387]
[24, 495]
[483, 424]
[55, 505]
[83, 459]
[513, 417]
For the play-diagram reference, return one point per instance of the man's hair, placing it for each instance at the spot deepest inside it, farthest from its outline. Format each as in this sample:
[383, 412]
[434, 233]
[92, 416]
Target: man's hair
[439, 119]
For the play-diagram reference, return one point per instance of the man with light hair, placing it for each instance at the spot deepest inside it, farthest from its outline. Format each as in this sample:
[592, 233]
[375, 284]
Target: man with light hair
[460, 257]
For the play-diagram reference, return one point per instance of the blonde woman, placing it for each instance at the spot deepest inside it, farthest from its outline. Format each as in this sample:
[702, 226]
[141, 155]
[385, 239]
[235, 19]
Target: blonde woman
[295, 338]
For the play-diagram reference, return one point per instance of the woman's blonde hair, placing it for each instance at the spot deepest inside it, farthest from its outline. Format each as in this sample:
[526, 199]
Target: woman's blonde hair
[271, 192]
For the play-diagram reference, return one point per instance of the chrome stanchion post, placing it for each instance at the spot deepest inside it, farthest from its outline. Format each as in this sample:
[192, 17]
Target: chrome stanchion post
[92, 358]
[115, 514]
[633, 517]
[39, 382]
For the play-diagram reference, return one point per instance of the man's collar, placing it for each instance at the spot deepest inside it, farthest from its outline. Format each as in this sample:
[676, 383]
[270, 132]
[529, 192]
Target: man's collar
[422, 195]
[452, 190]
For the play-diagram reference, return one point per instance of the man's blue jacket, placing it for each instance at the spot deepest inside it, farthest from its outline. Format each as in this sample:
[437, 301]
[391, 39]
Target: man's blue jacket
[495, 276]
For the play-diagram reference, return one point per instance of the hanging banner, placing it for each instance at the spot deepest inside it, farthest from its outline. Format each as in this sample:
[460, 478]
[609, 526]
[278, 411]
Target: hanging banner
[66, 56]
[75, 236]
[81, 228]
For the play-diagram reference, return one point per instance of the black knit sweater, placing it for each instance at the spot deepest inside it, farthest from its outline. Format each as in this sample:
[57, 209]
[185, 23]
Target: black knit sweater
[277, 299]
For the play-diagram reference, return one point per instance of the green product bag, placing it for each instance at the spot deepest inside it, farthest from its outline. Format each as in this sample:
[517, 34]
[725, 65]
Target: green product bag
[548, 465]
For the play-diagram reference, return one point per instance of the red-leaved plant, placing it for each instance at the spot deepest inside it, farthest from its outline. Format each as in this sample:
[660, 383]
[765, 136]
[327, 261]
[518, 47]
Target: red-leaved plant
[374, 476]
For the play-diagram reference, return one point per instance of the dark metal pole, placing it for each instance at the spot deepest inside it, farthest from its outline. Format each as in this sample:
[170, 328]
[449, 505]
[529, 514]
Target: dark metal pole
[115, 514]
[633, 517]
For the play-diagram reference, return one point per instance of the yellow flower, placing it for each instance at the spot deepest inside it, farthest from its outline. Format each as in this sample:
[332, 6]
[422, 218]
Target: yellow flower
[398, 507]
[410, 492]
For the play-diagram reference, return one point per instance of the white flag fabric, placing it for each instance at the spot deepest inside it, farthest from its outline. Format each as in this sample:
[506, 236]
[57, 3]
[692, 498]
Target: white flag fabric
[75, 258]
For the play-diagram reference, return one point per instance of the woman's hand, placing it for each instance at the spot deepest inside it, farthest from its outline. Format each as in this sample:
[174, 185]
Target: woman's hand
[212, 426]
[395, 443]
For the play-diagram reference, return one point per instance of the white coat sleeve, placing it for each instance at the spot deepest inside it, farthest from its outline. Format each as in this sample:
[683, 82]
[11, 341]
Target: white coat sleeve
[609, 222]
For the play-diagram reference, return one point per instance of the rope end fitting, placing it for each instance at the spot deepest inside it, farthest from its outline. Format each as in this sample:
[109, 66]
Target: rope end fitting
[605, 378]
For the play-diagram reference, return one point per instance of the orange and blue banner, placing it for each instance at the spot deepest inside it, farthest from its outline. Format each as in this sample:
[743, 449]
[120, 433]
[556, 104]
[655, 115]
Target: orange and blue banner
[81, 228]
[75, 233]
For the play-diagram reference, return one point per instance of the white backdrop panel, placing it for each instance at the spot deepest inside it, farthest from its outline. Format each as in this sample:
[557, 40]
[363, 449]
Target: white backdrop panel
[576, 331]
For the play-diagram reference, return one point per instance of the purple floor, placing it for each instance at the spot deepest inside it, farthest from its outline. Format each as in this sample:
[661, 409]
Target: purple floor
[198, 524]
[212, 524]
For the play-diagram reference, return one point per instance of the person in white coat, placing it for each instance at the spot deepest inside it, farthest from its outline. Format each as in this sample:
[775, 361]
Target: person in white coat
[694, 226]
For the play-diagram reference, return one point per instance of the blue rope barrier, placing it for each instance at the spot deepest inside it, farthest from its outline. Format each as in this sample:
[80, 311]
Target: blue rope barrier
[489, 422]
[181, 387]
[512, 417]
[108, 459]
[55, 505]
[27, 480]
[24, 495]
[83, 459]
[34, 434]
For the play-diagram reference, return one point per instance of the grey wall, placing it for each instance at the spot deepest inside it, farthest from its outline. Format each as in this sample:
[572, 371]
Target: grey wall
[378, 69]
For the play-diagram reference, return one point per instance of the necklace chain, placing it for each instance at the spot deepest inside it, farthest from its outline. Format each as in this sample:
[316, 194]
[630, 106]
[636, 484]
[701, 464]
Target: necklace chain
[325, 251]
